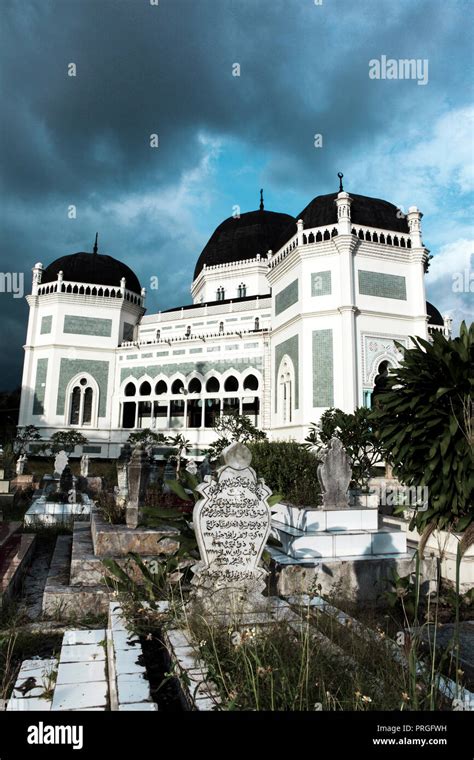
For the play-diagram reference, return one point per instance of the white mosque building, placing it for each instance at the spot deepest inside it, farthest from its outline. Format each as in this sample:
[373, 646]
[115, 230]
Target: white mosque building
[290, 316]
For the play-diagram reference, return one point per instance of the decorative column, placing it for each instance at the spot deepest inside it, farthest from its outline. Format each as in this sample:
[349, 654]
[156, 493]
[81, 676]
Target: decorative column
[300, 227]
[37, 275]
[414, 217]
[343, 203]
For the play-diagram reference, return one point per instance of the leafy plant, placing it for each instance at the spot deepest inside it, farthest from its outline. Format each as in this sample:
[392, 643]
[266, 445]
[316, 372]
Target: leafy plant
[423, 422]
[155, 577]
[146, 438]
[403, 592]
[230, 428]
[181, 446]
[289, 469]
[356, 431]
[25, 435]
[66, 440]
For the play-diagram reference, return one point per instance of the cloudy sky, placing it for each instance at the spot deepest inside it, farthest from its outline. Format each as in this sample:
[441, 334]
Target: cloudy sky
[167, 69]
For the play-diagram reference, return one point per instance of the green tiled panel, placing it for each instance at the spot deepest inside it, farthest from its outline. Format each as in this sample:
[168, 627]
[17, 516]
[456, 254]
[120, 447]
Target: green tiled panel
[289, 347]
[40, 386]
[46, 323]
[323, 368]
[186, 368]
[321, 283]
[87, 326]
[382, 285]
[286, 297]
[91, 449]
[71, 367]
[195, 350]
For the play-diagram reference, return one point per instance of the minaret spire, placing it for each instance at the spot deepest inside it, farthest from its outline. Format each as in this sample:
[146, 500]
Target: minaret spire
[261, 201]
[96, 247]
[340, 175]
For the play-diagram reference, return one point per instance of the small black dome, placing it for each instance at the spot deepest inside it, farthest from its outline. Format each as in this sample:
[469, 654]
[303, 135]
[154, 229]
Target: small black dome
[369, 212]
[95, 268]
[240, 238]
[434, 317]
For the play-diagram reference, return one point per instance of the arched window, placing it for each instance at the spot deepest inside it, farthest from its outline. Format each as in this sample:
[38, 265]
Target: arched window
[220, 293]
[195, 386]
[75, 406]
[130, 389]
[188, 331]
[158, 336]
[250, 383]
[286, 385]
[213, 385]
[81, 402]
[177, 386]
[221, 328]
[145, 389]
[87, 407]
[242, 290]
[161, 388]
[257, 323]
[231, 384]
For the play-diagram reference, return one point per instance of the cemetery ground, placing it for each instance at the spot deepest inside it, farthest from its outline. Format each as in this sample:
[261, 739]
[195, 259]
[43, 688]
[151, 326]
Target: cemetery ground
[323, 652]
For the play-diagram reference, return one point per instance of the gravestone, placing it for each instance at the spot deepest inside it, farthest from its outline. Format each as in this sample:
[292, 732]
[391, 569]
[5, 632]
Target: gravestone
[334, 475]
[169, 473]
[232, 524]
[60, 461]
[21, 464]
[66, 481]
[122, 475]
[191, 467]
[84, 465]
[138, 476]
[205, 468]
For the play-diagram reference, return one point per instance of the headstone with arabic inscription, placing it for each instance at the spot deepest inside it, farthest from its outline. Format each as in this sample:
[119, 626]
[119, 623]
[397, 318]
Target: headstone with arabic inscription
[232, 525]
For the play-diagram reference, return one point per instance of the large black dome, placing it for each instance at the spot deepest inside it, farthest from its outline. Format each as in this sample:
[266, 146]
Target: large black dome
[434, 317]
[240, 238]
[369, 212]
[96, 268]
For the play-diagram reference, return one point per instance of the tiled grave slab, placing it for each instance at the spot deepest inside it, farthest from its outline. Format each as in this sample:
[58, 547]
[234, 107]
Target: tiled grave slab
[132, 688]
[83, 652]
[143, 706]
[80, 696]
[81, 672]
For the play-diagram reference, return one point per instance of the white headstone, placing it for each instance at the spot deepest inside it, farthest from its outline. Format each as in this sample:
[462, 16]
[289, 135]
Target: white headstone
[232, 523]
[60, 461]
[85, 465]
[20, 464]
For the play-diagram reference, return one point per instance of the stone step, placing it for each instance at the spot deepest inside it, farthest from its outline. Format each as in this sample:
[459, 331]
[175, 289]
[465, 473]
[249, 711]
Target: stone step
[15, 557]
[299, 544]
[7, 529]
[61, 598]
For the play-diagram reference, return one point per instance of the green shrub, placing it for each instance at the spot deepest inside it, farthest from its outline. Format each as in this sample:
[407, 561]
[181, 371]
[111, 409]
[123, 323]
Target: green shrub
[287, 468]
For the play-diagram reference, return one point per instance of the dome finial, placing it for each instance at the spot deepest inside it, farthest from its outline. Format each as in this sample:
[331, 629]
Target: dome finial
[340, 175]
[96, 247]
[261, 201]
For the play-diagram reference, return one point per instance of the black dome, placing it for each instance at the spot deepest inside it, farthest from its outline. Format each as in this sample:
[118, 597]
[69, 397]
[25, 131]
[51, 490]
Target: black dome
[369, 212]
[96, 268]
[237, 239]
[434, 317]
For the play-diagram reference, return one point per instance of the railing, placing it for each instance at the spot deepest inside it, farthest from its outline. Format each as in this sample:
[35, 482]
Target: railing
[201, 337]
[327, 232]
[89, 289]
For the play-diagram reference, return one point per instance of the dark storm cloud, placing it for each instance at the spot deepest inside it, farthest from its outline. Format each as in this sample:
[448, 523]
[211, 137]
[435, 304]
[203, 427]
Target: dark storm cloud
[143, 69]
